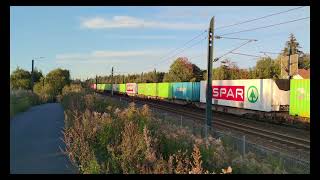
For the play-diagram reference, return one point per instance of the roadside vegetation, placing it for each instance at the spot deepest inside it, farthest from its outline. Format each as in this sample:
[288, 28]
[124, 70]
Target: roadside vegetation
[103, 136]
[46, 88]
[21, 100]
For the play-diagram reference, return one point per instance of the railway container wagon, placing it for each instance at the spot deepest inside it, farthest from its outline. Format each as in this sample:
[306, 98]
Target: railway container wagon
[100, 87]
[254, 94]
[300, 97]
[104, 87]
[93, 86]
[131, 89]
[164, 90]
[189, 91]
[115, 88]
[147, 89]
[122, 88]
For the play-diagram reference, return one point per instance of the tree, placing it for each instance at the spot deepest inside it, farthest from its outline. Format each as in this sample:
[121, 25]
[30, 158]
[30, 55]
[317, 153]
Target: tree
[267, 68]
[294, 44]
[228, 70]
[181, 70]
[37, 75]
[304, 61]
[20, 79]
[57, 79]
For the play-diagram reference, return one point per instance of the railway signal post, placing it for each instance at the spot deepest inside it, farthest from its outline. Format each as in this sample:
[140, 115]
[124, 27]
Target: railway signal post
[209, 81]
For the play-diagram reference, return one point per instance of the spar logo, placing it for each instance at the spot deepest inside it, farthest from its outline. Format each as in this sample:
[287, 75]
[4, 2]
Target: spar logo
[252, 94]
[233, 93]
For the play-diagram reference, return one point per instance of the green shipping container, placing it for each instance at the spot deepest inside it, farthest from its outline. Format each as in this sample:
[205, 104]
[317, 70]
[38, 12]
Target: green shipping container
[122, 88]
[151, 89]
[142, 89]
[99, 87]
[164, 90]
[147, 89]
[300, 97]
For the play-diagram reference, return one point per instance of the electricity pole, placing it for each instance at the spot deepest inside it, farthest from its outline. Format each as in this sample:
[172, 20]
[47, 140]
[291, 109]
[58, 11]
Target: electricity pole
[289, 63]
[155, 75]
[112, 81]
[209, 72]
[32, 75]
[96, 82]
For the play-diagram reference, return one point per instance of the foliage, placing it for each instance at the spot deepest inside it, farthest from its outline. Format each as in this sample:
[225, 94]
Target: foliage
[20, 79]
[294, 44]
[57, 79]
[37, 75]
[181, 70]
[267, 68]
[44, 91]
[130, 140]
[304, 61]
[21, 100]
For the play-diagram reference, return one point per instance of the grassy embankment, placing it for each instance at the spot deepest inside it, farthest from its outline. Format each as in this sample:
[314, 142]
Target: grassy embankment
[103, 136]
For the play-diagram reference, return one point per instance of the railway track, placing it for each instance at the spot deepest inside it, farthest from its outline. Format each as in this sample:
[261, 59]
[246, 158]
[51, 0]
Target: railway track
[282, 139]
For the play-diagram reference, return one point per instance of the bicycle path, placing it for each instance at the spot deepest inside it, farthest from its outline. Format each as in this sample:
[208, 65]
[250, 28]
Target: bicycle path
[36, 142]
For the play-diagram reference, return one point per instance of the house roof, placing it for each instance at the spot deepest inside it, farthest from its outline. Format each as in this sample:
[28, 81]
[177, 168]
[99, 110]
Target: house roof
[305, 74]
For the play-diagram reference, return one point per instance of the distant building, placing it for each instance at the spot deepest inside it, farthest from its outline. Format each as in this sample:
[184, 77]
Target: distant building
[302, 74]
[285, 66]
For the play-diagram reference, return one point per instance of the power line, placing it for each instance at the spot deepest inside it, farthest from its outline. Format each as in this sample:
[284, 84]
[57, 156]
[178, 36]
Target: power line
[222, 37]
[183, 44]
[188, 47]
[246, 54]
[246, 30]
[216, 59]
[243, 22]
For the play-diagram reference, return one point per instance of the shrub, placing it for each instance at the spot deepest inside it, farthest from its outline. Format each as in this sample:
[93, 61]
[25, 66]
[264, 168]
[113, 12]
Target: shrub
[21, 100]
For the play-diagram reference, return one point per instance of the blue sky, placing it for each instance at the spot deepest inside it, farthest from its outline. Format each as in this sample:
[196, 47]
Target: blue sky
[90, 40]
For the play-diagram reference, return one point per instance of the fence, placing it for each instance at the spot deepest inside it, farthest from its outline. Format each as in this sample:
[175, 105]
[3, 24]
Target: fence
[297, 163]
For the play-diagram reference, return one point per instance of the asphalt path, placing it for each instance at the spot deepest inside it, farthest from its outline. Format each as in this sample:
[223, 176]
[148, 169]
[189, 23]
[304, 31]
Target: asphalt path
[36, 142]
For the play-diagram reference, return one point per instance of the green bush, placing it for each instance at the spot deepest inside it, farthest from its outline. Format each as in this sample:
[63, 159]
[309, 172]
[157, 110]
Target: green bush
[21, 100]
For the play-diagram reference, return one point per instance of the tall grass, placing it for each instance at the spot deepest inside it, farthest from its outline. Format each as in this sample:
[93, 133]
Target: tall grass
[102, 136]
[21, 100]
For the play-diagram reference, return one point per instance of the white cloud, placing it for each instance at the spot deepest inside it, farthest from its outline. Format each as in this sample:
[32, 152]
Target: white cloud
[100, 56]
[120, 53]
[143, 37]
[132, 22]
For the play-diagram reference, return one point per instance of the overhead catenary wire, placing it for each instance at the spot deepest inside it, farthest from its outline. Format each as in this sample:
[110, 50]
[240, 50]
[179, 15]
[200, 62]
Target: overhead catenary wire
[188, 47]
[251, 20]
[222, 37]
[216, 59]
[184, 44]
[262, 27]
[243, 54]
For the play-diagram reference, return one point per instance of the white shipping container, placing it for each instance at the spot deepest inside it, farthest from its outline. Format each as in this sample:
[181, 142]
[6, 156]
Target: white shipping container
[131, 88]
[115, 87]
[254, 94]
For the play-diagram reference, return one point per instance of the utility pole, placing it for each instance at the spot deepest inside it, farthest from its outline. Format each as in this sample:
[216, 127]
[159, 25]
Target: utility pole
[289, 63]
[32, 75]
[155, 75]
[112, 81]
[96, 82]
[209, 72]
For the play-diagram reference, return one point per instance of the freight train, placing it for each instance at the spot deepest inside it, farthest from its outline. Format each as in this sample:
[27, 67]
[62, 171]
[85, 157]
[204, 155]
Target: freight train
[246, 97]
